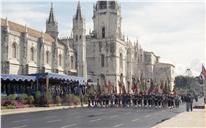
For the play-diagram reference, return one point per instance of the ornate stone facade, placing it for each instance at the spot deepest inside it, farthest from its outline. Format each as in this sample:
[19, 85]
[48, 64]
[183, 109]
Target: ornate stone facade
[104, 56]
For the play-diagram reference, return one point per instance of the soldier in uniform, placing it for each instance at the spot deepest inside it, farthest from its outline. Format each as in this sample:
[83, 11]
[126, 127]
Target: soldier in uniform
[128, 100]
[177, 101]
[93, 99]
[101, 100]
[96, 100]
[107, 100]
[89, 100]
[134, 100]
[159, 101]
[124, 100]
[149, 100]
[189, 101]
[119, 100]
[139, 100]
[170, 101]
[145, 99]
[156, 100]
[164, 100]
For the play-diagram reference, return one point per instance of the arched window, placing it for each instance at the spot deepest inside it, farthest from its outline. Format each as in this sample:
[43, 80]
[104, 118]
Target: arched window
[76, 37]
[47, 57]
[32, 53]
[103, 32]
[103, 4]
[121, 60]
[112, 5]
[135, 55]
[72, 62]
[141, 58]
[80, 37]
[14, 50]
[60, 59]
[102, 60]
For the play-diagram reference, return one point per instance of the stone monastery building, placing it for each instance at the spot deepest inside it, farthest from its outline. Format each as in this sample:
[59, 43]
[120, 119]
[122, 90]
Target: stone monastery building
[104, 56]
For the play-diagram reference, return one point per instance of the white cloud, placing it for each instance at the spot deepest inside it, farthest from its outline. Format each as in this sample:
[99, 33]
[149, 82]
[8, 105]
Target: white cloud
[23, 13]
[174, 31]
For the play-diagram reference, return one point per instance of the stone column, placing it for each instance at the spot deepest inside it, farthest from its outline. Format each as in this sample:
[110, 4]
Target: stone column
[67, 60]
[24, 52]
[55, 57]
[40, 54]
[4, 48]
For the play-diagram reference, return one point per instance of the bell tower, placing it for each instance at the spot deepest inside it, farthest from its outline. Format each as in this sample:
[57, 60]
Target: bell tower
[79, 36]
[107, 19]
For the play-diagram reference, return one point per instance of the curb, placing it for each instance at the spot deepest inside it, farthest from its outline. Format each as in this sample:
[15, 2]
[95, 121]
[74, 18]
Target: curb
[158, 124]
[37, 109]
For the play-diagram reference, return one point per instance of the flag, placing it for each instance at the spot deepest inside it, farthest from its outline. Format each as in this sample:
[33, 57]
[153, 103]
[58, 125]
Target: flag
[110, 87]
[135, 88]
[134, 85]
[151, 87]
[202, 75]
[142, 86]
[156, 89]
[161, 85]
[150, 90]
[203, 72]
[165, 88]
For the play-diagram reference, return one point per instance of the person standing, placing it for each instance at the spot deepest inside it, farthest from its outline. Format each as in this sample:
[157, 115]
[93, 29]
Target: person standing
[189, 102]
[187, 99]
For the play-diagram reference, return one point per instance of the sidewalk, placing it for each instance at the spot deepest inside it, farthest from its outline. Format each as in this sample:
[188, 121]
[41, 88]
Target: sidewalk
[35, 109]
[194, 119]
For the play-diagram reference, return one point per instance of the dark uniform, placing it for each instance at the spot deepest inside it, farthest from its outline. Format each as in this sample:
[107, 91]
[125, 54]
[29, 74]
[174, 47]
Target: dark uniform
[140, 100]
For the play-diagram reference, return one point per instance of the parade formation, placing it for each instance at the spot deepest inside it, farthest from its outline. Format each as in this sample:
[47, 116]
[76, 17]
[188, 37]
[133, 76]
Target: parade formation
[135, 100]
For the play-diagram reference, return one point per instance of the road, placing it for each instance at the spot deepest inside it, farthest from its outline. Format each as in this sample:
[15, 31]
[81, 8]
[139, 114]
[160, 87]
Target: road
[91, 118]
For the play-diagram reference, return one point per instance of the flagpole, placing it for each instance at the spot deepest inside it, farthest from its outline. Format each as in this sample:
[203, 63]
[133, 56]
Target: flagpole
[203, 74]
[204, 88]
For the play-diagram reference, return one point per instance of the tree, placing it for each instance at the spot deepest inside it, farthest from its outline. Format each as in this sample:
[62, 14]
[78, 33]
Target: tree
[183, 81]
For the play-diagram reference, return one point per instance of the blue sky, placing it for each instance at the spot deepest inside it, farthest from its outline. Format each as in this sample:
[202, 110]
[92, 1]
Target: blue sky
[172, 29]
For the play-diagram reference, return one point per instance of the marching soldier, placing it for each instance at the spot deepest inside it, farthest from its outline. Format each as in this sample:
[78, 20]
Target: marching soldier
[112, 100]
[134, 100]
[177, 101]
[139, 100]
[145, 99]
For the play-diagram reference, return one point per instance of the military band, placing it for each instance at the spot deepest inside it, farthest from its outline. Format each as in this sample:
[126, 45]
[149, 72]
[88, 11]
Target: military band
[134, 100]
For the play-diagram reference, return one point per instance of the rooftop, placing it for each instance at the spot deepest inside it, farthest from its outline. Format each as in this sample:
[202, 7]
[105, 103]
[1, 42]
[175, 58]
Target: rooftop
[22, 29]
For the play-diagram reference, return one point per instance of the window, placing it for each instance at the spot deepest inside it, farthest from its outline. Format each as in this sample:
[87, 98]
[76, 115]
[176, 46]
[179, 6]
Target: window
[76, 37]
[47, 57]
[102, 60]
[32, 53]
[60, 59]
[103, 4]
[14, 50]
[141, 58]
[80, 37]
[121, 61]
[103, 32]
[112, 5]
[72, 62]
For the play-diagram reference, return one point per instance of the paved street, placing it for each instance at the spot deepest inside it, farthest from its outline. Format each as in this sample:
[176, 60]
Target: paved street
[91, 117]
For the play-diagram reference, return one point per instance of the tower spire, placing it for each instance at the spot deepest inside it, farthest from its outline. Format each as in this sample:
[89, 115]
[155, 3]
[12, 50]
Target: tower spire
[51, 24]
[78, 13]
[51, 15]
